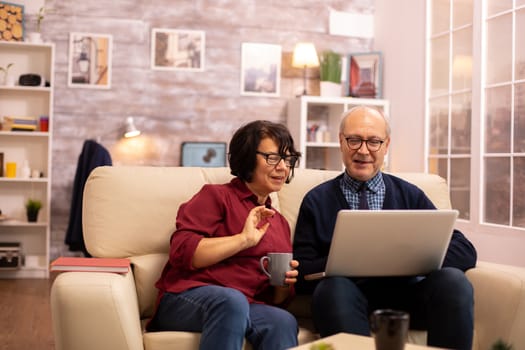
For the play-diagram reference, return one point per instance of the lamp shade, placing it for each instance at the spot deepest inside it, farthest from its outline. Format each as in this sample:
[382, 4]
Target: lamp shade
[305, 55]
[131, 130]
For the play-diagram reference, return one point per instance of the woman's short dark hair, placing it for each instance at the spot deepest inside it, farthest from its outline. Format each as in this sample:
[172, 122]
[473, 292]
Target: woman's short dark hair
[245, 142]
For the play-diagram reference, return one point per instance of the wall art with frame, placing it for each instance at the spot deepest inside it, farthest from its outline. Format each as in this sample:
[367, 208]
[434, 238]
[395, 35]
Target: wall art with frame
[177, 49]
[365, 74]
[203, 154]
[90, 60]
[11, 21]
[260, 69]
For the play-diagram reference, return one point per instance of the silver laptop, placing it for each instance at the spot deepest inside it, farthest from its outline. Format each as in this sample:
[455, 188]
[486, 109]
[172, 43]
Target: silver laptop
[368, 243]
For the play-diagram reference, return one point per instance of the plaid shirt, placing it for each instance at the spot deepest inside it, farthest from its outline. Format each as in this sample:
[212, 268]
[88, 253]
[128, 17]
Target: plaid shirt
[375, 194]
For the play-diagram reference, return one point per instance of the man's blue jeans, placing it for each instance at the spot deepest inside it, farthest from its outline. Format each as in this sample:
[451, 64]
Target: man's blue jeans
[224, 317]
[442, 303]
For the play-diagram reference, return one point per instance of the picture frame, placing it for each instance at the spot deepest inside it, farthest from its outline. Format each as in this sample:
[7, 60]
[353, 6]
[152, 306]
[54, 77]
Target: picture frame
[177, 49]
[90, 58]
[12, 26]
[365, 74]
[260, 69]
[203, 154]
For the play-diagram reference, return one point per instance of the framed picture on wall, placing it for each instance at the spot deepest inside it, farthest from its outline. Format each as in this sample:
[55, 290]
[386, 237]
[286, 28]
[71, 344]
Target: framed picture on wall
[176, 49]
[11, 21]
[203, 154]
[365, 74]
[90, 60]
[260, 69]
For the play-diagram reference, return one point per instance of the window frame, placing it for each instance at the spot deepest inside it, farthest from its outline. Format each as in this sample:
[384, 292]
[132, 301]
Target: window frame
[476, 221]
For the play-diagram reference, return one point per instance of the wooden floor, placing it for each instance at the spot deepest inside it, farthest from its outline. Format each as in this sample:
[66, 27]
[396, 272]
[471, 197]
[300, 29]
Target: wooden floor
[25, 314]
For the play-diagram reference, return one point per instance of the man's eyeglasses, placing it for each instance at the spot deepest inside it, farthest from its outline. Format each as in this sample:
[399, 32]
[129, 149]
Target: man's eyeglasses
[355, 143]
[275, 158]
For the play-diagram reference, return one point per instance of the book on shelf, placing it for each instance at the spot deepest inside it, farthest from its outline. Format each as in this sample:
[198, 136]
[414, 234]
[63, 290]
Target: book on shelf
[20, 123]
[80, 264]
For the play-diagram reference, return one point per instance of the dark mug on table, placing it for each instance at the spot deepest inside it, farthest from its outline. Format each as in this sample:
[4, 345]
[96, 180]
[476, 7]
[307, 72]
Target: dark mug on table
[389, 329]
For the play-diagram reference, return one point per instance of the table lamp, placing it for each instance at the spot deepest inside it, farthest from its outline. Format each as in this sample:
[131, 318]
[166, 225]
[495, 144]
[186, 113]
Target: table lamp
[305, 56]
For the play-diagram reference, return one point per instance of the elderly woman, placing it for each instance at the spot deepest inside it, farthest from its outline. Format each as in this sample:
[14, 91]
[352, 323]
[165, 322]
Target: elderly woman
[212, 282]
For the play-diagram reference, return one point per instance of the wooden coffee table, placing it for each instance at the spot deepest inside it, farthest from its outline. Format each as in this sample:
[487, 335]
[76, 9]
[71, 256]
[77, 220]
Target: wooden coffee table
[343, 341]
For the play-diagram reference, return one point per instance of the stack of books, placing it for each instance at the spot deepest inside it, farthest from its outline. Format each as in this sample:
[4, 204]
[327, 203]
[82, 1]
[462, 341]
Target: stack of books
[20, 123]
[116, 265]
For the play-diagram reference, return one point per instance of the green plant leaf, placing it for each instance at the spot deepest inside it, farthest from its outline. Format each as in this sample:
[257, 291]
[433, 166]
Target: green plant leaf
[330, 67]
[6, 68]
[33, 204]
[501, 345]
[321, 346]
[40, 17]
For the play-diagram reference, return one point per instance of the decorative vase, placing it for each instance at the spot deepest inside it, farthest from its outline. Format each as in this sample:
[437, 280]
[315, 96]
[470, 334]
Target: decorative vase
[10, 80]
[330, 89]
[34, 37]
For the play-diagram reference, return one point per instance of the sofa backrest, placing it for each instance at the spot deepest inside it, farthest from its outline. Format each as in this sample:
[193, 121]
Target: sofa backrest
[130, 211]
[291, 195]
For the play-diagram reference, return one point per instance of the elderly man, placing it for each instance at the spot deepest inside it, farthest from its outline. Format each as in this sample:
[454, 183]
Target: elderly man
[440, 302]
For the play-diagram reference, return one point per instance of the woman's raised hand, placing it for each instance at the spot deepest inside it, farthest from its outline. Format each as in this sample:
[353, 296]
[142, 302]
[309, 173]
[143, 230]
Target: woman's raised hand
[256, 225]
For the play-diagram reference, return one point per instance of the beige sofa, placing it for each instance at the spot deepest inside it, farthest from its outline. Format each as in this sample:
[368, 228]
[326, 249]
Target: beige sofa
[130, 212]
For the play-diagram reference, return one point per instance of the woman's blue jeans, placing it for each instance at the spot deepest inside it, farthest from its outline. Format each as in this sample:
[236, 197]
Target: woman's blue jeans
[225, 318]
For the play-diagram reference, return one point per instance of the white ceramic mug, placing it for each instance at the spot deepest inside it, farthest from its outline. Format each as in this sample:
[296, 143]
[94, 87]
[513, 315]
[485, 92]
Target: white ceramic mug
[277, 266]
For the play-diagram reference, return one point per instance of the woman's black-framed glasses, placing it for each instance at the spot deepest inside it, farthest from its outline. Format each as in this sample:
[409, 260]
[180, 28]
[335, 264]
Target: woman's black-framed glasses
[355, 143]
[275, 158]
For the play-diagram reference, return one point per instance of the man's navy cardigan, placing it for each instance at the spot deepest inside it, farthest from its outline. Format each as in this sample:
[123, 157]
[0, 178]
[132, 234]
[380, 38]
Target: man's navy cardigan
[316, 222]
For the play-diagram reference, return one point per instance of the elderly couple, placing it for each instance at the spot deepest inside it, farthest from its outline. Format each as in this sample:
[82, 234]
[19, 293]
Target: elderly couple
[213, 284]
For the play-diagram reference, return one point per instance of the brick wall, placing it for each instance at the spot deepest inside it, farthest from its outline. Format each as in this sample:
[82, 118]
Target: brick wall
[172, 107]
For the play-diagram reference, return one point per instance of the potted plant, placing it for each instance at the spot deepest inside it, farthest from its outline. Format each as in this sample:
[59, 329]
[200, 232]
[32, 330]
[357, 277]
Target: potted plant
[36, 36]
[501, 345]
[40, 18]
[5, 70]
[330, 73]
[33, 206]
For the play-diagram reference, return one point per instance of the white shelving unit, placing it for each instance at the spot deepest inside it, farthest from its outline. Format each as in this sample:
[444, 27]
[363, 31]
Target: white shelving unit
[31, 146]
[320, 150]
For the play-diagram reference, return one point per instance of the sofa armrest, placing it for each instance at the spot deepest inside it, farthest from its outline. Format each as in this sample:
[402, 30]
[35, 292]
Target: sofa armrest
[92, 310]
[499, 304]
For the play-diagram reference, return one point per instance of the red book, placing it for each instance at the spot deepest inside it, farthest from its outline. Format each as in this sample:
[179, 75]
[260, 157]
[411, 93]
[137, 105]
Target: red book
[67, 263]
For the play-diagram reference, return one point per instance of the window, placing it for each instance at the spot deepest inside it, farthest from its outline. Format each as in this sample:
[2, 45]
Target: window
[503, 149]
[476, 107]
[450, 98]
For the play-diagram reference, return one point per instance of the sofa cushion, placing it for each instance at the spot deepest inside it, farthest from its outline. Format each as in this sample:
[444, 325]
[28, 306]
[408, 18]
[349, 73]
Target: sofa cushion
[499, 297]
[140, 204]
[291, 195]
[434, 186]
[190, 340]
[146, 270]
